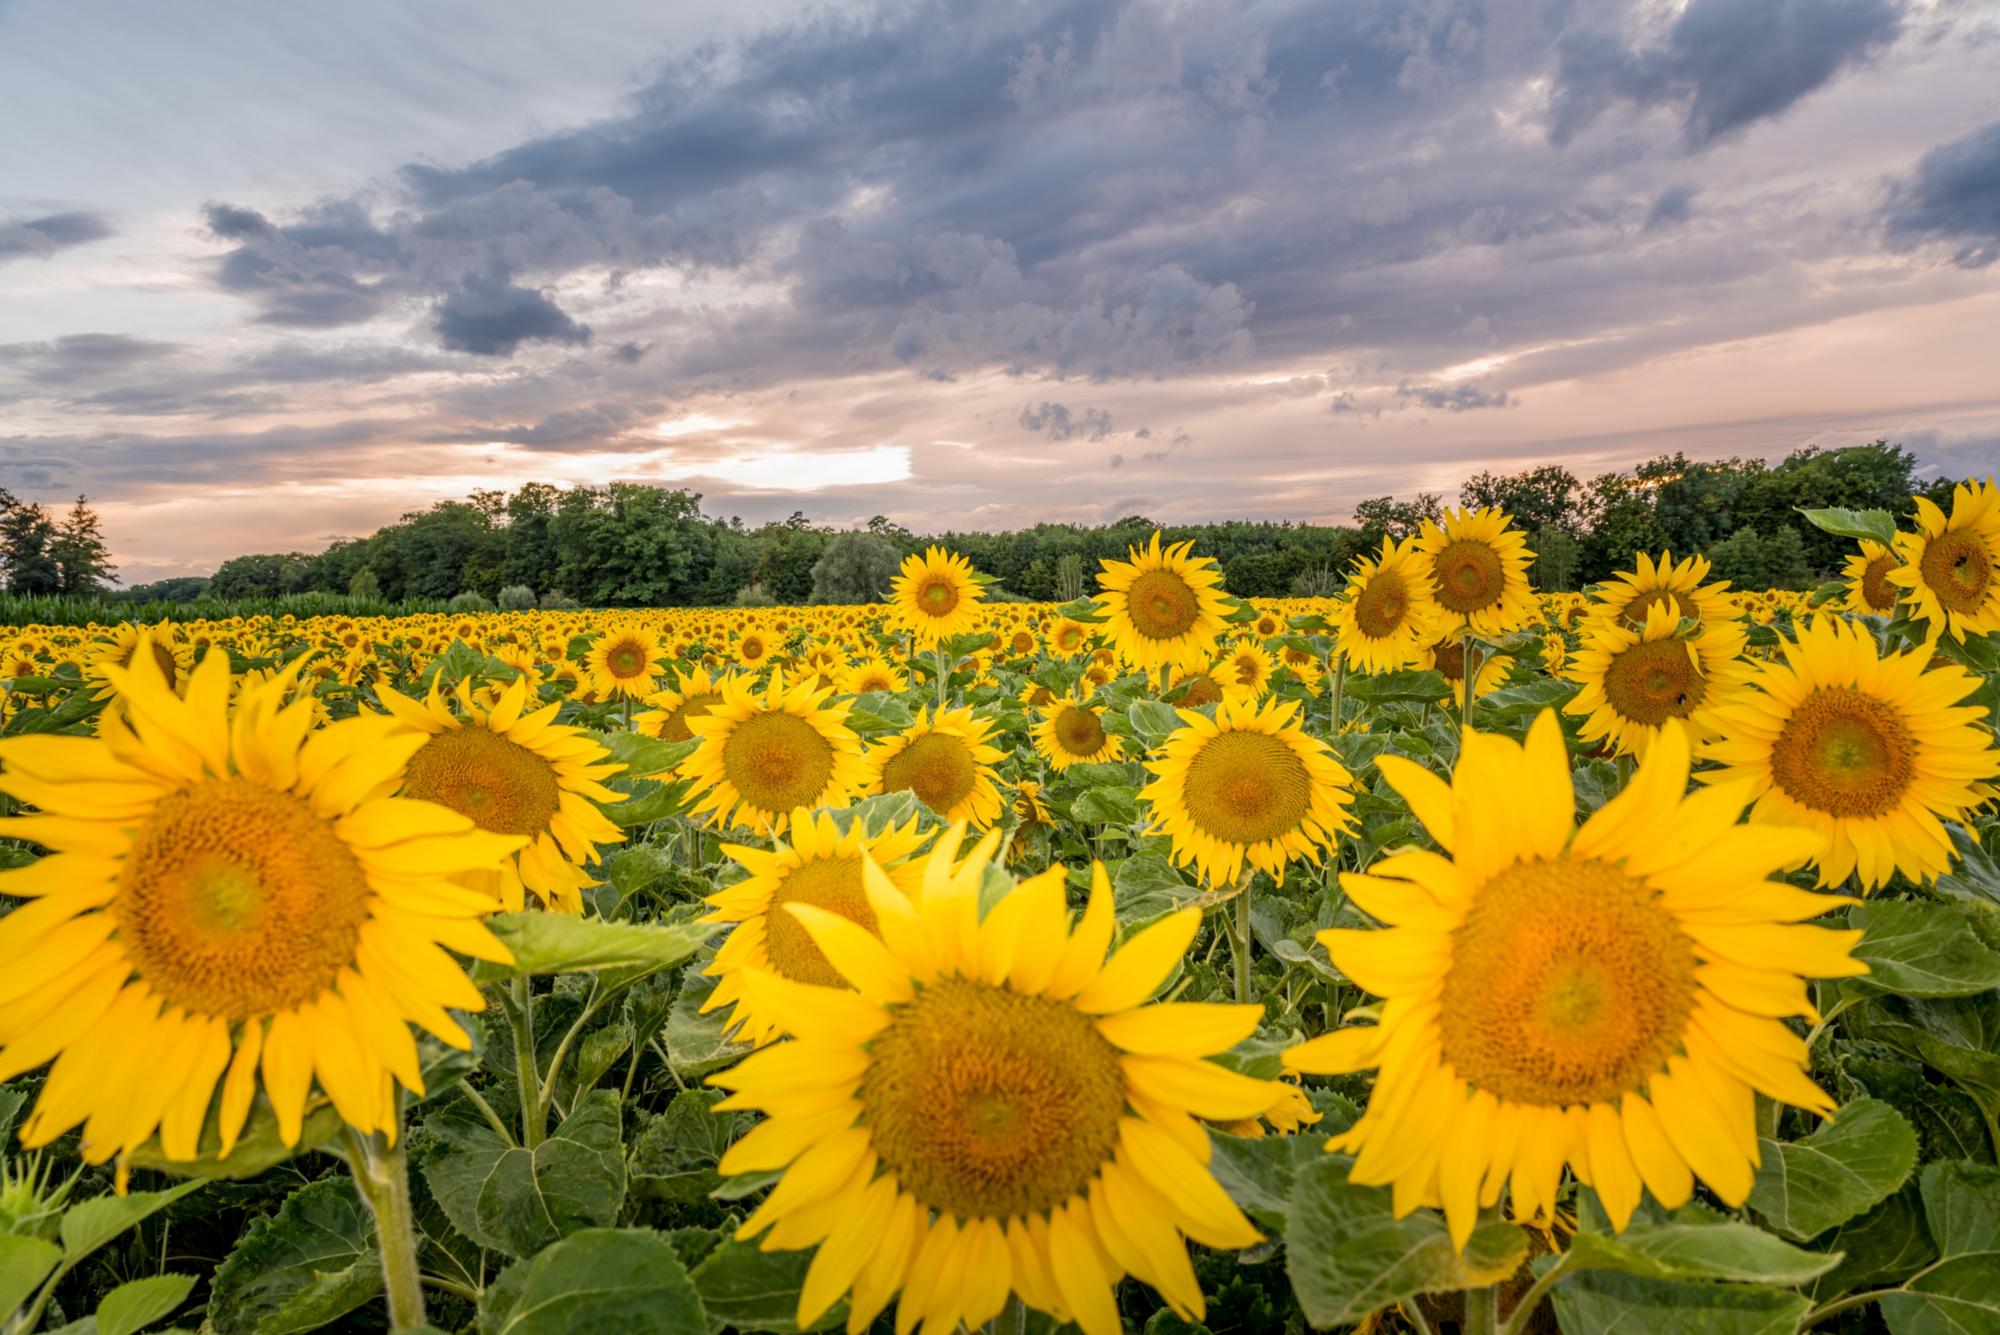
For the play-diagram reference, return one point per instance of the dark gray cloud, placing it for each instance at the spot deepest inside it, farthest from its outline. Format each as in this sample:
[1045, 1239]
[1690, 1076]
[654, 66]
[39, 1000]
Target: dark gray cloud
[490, 316]
[39, 238]
[1057, 422]
[1725, 64]
[1674, 207]
[80, 358]
[1953, 196]
[1463, 397]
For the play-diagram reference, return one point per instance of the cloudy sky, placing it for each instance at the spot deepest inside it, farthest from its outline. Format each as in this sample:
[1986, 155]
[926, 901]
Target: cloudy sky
[270, 275]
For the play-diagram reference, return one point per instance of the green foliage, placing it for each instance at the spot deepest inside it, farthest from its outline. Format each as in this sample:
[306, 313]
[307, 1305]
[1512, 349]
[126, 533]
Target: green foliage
[625, 1279]
[516, 1200]
[855, 568]
[515, 598]
[309, 1264]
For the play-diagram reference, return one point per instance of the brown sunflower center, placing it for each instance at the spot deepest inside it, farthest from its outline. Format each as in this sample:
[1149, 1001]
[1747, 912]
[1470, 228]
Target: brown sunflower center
[1162, 605]
[1470, 576]
[937, 767]
[500, 785]
[1246, 787]
[1380, 608]
[1198, 690]
[1569, 983]
[1040, 696]
[777, 761]
[1636, 610]
[1021, 642]
[1449, 660]
[1249, 669]
[751, 648]
[676, 729]
[1069, 639]
[987, 1104]
[937, 596]
[1876, 591]
[1844, 752]
[236, 901]
[1957, 569]
[833, 884]
[626, 659]
[1079, 731]
[1653, 681]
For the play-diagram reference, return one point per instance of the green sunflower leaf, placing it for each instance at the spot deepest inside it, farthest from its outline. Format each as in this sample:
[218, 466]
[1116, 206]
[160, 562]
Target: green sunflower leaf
[628, 1280]
[1921, 950]
[1805, 1187]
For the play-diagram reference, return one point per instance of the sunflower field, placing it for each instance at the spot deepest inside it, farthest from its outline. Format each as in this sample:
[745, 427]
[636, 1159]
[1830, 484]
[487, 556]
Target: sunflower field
[1435, 957]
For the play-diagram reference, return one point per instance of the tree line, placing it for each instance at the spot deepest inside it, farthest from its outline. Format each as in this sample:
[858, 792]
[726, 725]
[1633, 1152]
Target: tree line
[630, 544]
[43, 555]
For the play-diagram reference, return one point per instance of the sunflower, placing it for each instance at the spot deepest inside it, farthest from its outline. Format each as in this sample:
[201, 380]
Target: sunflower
[821, 866]
[1628, 597]
[765, 752]
[229, 889]
[936, 597]
[1245, 670]
[1389, 615]
[1067, 638]
[1479, 570]
[624, 662]
[1635, 680]
[873, 674]
[667, 718]
[1447, 659]
[945, 759]
[754, 649]
[119, 648]
[1870, 753]
[1164, 608]
[1071, 731]
[1030, 809]
[513, 772]
[1869, 592]
[1951, 566]
[1247, 786]
[993, 1109]
[1611, 997]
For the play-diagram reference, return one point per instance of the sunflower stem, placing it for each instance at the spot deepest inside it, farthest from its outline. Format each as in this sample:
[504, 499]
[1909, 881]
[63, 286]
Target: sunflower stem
[1524, 1310]
[382, 1176]
[1482, 1311]
[1243, 937]
[1470, 669]
[943, 676]
[521, 1019]
[1339, 683]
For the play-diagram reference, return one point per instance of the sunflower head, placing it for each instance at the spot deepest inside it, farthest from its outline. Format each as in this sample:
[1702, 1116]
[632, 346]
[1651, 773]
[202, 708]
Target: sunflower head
[946, 759]
[936, 597]
[1628, 598]
[1479, 570]
[1248, 787]
[766, 752]
[1872, 753]
[625, 661]
[667, 713]
[516, 771]
[1951, 564]
[955, 1122]
[1609, 997]
[1164, 607]
[1869, 590]
[1389, 614]
[1634, 681]
[229, 888]
[1071, 731]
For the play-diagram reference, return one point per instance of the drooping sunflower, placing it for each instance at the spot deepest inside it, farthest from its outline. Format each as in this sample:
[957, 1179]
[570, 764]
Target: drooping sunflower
[625, 661]
[1951, 566]
[821, 866]
[1248, 786]
[669, 710]
[1629, 596]
[1163, 607]
[1479, 570]
[936, 597]
[993, 1109]
[1610, 997]
[1071, 731]
[515, 772]
[1869, 591]
[765, 752]
[1390, 614]
[1633, 681]
[1872, 754]
[229, 890]
[946, 759]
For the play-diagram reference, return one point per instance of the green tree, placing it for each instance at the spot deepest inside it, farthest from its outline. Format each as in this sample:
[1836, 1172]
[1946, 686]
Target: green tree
[1558, 556]
[855, 568]
[1386, 517]
[81, 556]
[364, 584]
[1540, 498]
[27, 539]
